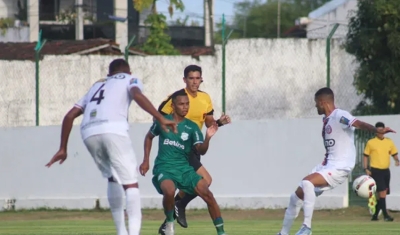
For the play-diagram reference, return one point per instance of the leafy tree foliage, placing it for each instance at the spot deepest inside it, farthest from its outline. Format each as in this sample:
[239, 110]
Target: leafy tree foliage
[158, 42]
[374, 39]
[259, 19]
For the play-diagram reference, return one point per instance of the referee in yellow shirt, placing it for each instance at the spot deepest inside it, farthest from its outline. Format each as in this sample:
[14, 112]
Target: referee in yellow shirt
[378, 150]
[201, 111]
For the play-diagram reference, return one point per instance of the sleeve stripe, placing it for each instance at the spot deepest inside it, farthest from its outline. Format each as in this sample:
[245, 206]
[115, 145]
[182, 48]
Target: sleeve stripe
[352, 122]
[78, 106]
[198, 142]
[210, 113]
[394, 154]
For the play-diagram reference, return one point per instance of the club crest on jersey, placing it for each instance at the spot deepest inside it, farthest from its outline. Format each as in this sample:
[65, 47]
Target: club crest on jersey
[93, 113]
[344, 121]
[184, 136]
[328, 129]
[133, 81]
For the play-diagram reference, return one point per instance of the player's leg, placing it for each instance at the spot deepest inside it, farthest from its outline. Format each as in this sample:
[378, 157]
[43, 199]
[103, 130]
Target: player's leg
[194, 161]
[382, 179]
[165, 185]
[115, 192]
[123, 168]
[204, 192]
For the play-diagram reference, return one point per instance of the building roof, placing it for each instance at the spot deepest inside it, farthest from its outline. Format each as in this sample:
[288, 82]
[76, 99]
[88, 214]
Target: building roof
[326, 8]
[25, 50]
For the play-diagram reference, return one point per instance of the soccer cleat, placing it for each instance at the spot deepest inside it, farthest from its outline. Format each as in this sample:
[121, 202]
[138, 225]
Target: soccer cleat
[374, 218]
[304, 231]
[388, 219]
[372, 204]
[169, 228]
[161, 230]
[180, 215]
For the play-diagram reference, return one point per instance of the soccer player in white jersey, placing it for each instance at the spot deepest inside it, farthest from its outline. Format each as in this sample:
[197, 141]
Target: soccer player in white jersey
[104, 131]
[338, 135]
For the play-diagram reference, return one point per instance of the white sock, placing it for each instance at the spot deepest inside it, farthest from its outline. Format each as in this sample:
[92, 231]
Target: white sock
[115, 194]
[309, 201]
[291, 213]
[134, 210]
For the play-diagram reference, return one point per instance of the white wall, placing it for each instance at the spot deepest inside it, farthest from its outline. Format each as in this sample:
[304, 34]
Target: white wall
[8, 8]
[15, 35]
[254, 164]
[264, 79]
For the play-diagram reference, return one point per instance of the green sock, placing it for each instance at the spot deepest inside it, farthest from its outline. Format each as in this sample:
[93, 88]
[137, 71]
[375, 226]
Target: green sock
[219, 225]
[169, 215]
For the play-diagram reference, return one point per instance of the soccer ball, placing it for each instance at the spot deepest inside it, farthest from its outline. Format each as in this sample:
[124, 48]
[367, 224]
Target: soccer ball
[364, 186]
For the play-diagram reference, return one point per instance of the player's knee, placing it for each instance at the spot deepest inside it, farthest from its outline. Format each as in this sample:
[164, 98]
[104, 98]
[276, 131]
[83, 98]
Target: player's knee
[306, 184]
[208, 179]
[168, 188]
[202, 189]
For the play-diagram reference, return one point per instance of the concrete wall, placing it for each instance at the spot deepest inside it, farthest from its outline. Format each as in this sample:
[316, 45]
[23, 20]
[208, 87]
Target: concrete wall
[254, 164]
[15, 35]
[8, 8]
[264, 79]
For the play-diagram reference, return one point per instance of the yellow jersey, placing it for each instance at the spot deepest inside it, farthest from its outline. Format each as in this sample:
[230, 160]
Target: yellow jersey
[379, 152]
[199, 107]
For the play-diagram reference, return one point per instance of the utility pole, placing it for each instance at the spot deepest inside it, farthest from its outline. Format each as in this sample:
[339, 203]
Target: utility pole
[79, 20]
[211, 20]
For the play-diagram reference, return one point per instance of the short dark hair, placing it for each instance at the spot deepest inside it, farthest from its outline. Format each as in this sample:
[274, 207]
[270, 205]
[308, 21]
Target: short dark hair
[326, 91]
[177, 94]
[380, 124]
[116, 65]
[191, 68]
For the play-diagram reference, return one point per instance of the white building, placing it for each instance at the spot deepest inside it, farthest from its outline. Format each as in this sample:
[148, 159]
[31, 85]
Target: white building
[321, 20]
[59, 12]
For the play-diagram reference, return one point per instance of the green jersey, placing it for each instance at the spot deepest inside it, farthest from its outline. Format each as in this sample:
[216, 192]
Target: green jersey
[173, 149]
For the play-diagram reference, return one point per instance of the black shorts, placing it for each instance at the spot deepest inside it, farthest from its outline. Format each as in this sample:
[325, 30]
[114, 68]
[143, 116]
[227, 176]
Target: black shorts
[382, 179]
[194, 159]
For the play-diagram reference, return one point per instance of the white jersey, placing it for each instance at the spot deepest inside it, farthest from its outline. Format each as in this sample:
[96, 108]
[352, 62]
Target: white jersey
[105, 106]
[338, 136]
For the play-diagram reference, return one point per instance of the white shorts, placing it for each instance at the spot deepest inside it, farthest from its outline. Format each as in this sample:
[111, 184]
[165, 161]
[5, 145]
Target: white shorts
[114, 156]
[333, 177]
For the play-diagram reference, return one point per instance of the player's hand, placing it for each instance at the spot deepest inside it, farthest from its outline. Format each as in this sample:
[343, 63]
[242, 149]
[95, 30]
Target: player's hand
[211, 131]
[144, 167]
[387, 130]
[166, 124]
[368, 172]
[61, 155]
[225, 119]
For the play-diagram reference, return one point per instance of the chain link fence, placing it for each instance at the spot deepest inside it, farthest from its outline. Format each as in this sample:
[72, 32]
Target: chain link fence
[277, 78]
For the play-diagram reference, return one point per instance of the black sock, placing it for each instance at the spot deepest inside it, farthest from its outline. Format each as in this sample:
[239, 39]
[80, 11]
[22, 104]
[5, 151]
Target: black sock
[177, 197]
[382, 202]
[377, 208]
[186, 199]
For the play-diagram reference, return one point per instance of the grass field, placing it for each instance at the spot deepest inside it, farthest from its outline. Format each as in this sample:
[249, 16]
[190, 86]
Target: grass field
[355, 220]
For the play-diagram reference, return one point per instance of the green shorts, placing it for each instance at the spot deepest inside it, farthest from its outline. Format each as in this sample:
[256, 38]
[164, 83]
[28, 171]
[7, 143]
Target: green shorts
[184, 178]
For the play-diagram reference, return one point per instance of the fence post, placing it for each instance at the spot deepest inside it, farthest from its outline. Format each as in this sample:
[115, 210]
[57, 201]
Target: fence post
[126, 53]
[38, 48]
[224, 41]
[328, 55]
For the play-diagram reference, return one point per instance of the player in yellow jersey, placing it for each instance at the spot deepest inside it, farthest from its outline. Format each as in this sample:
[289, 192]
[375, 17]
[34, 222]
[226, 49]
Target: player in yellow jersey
[201, 112]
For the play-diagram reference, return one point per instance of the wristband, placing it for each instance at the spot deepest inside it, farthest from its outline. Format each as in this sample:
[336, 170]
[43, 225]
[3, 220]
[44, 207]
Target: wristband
[219, 123]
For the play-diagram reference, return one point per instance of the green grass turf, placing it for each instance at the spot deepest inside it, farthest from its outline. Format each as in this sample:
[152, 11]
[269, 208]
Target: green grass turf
[252, 222]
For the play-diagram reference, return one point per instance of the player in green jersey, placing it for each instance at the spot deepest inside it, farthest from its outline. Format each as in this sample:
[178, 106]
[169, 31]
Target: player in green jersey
[171, 168]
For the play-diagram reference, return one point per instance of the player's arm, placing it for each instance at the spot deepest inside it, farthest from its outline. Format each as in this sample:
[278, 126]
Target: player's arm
[135, 90]
[394, 153]
[200, 144]
[66, 128]
[148, 142]
[348, 120]
[209, 121]
[367, 152]
[67, 124]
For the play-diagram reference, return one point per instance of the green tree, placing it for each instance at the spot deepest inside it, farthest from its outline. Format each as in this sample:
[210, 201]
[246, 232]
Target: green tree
[258, 19]
[158, 42]
[374, 39]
